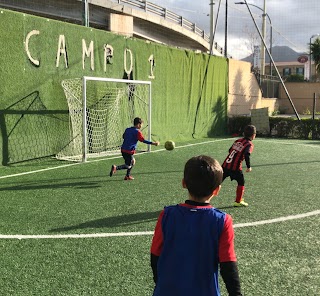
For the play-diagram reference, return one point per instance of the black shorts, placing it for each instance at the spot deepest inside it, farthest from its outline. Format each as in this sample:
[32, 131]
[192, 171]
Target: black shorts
[234, 175]
[128, 158]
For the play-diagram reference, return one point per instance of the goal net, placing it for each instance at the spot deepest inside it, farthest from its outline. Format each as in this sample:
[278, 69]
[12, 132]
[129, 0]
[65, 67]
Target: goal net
[100, 109]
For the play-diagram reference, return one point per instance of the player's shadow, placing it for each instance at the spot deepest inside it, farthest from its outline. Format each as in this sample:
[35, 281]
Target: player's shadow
[110, 222]
[150, 172]
[91, 181]
[78, 185]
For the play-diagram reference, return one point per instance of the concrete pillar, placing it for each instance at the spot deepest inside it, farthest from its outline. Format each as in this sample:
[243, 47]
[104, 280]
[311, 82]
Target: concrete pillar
[121, 24]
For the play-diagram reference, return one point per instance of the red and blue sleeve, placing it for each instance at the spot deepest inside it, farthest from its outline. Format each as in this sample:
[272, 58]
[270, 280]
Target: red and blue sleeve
[142, 139]
[156, 247]
[228, 261]
[226, 242]
[157, 240]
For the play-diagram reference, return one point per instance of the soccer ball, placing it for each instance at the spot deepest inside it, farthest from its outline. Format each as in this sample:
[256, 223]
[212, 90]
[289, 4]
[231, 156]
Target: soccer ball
[169, 145]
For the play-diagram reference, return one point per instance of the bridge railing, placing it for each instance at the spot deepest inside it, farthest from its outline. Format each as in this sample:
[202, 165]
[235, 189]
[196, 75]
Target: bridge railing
[170, 16]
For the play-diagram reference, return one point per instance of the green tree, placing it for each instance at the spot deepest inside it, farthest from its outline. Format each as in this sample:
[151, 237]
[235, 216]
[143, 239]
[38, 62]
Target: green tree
[315, 54]
[295, 78]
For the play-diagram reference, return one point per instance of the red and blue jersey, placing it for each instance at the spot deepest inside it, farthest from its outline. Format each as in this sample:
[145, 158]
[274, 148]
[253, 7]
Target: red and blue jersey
[186, 238]
[131, 136]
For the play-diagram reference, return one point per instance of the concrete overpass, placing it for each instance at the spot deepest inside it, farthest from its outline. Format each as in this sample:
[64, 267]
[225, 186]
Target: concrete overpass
[133, 18]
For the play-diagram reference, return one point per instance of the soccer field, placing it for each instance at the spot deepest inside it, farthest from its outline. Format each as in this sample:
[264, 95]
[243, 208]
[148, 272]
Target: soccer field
[70, 229]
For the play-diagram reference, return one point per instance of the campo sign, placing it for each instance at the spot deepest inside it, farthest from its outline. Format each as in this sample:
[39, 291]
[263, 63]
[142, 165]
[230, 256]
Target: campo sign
[87, 52]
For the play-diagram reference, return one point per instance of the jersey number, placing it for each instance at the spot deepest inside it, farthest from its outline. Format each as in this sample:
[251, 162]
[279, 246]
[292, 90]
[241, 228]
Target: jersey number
[231, 155]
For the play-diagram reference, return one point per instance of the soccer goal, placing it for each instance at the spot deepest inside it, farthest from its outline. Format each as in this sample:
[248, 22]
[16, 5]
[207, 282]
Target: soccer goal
[99, 111]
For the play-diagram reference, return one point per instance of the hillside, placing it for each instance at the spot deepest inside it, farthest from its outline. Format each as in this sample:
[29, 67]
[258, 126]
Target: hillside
[279, 54]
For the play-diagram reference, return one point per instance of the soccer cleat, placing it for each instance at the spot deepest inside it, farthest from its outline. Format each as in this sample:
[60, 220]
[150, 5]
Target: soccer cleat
[242, 203]
[128, 178]
[113, 170]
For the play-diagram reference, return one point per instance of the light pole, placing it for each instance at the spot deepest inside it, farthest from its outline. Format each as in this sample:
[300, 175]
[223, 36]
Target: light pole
[310, 72]
[263, 15]
[211, 27]
[226, 32]
[85, 13]
[263, 50]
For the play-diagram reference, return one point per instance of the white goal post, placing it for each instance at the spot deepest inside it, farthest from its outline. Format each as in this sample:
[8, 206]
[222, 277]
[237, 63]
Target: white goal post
[100, 109]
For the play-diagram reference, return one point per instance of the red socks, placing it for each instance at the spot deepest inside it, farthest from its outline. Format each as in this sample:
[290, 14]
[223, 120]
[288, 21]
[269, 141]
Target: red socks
[240, 192]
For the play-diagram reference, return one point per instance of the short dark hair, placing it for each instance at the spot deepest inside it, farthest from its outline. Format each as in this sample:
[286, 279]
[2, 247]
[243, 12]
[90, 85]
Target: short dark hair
[249, 131]
[137, 120]
[202, 175]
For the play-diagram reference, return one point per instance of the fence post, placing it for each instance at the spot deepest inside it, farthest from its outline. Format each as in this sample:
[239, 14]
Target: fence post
[313, 115]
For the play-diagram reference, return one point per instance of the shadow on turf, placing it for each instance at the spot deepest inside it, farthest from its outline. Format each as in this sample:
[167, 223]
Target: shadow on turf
[79, 185]
[112, 221]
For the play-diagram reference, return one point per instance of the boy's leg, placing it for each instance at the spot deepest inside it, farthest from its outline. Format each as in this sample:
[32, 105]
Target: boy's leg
[239, 193]
[132, 162]
[126, 166]
[240, 190]
[113, 170]
[226, 174]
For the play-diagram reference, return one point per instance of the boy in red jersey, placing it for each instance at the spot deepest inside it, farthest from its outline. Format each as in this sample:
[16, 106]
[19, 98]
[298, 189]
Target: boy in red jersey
[131, 136]
[240, 150]
[193, 239]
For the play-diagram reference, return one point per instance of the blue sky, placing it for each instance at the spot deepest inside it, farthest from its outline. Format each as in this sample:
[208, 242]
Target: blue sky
[293, 22]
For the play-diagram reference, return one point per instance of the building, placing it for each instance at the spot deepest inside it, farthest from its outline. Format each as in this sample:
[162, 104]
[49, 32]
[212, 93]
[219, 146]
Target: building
[289, 68]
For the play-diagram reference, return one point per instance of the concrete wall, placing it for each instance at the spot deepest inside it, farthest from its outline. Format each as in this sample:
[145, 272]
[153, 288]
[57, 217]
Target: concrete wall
[244, 92]
[302, 94]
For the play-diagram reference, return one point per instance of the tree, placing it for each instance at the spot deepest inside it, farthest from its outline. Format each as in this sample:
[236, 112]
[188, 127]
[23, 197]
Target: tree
[315, 54]
[295, 78]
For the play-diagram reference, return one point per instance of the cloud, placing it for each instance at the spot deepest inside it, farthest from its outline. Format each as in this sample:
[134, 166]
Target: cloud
[293, 22]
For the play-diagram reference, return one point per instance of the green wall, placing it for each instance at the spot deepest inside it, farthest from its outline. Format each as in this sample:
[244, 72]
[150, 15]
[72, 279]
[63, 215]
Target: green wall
[189, 91]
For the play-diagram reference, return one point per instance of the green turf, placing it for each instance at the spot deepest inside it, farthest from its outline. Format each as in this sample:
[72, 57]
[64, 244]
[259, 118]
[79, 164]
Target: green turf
[274, 259]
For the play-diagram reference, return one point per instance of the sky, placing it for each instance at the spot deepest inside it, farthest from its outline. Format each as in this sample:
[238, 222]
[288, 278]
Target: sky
[293, 22]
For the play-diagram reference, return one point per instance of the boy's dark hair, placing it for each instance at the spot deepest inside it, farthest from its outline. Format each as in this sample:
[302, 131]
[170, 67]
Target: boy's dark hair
[137, 120]
[249, 131]
[202, 174]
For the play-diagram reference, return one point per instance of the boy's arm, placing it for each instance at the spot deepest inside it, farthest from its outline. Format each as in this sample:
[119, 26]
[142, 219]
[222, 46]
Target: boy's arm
[156, 247]
[228, 260]
[142, 139]
[247, 160]
[230, 275]
[247, 154]
[154, 264]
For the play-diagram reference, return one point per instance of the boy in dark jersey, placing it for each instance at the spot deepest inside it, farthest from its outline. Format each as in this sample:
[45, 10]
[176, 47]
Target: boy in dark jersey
[193, 239]
[131, 136]
[240, 150]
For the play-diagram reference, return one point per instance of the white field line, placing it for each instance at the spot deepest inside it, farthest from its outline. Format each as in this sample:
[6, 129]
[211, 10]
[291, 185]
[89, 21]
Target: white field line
[288, 143]
[100, 159]
[280, 219]
[155, 151]
[122, 234]
[101, 235]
